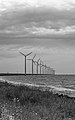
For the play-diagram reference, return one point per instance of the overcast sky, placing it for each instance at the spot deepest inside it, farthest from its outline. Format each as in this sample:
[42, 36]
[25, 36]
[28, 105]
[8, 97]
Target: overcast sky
[46, 27]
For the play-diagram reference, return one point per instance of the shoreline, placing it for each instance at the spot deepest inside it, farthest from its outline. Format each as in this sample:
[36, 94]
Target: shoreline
[43, 87]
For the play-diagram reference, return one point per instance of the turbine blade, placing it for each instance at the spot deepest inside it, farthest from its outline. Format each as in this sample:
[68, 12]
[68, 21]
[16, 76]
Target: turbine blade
[34, 56]
[21, 53]
[38, 60]
[34, 62]
[28, 53]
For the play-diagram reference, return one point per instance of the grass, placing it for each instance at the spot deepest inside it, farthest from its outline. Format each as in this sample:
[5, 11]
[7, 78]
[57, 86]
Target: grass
[24, 103]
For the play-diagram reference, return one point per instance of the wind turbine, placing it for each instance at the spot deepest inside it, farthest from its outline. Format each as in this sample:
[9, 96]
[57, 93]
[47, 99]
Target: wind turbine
[40, 66]
[37, 64]
[46, 68]
[25, 58]
[32, 62]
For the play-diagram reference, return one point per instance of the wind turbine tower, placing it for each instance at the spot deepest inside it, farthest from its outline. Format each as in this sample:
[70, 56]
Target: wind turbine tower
[40, 67]
[45, 68]
[25, 58]
[37, 64]
[32, 62]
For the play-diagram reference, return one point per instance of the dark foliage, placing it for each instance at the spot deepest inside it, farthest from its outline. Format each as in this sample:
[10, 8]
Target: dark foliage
[53, 102]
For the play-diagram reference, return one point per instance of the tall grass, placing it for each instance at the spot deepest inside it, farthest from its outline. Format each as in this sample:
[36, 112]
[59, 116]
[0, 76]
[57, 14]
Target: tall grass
[37, 104]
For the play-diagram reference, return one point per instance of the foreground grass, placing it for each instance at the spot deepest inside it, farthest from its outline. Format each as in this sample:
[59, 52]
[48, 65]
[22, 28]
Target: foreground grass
[24, 103]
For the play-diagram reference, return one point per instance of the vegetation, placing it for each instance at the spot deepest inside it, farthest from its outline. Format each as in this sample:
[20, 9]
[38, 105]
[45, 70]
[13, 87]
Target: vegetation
[19, 102]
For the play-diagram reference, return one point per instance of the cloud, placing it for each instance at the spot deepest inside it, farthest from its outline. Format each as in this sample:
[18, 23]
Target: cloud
[61, 5]
[46, 27]
[38, 26]
[42, 14]
[8, 51]
[49, 31]
[31, 22]
[38, 31]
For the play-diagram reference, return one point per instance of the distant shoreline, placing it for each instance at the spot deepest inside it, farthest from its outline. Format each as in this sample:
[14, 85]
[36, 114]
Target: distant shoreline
[13, 74]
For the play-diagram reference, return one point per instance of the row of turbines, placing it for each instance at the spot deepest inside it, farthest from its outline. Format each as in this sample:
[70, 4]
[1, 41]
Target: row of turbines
[44, 69]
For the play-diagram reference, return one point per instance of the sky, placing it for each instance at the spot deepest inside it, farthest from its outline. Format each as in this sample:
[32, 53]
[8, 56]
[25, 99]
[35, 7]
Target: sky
[45, 27]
